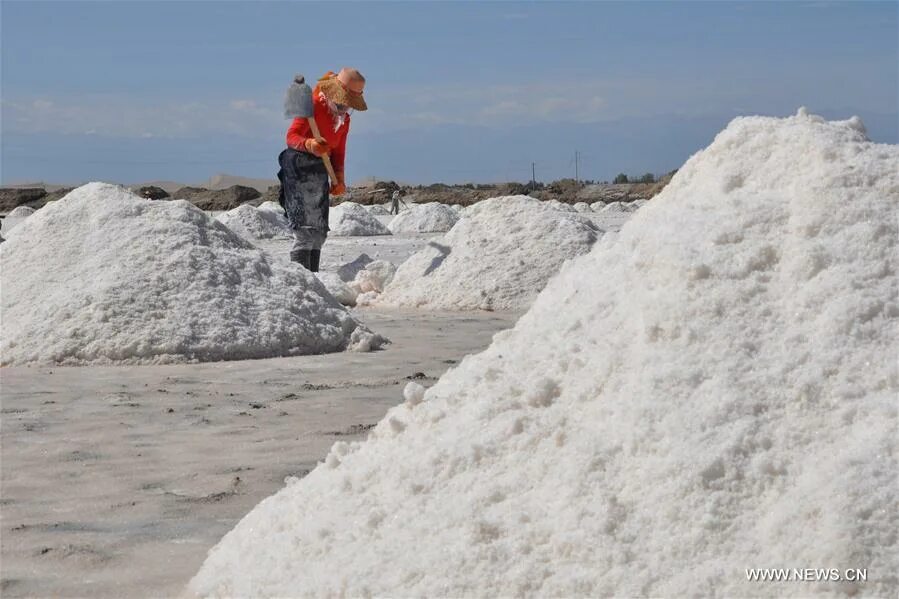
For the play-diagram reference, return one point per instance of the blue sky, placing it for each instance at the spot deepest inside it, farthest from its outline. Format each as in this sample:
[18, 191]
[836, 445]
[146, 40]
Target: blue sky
[136, 91]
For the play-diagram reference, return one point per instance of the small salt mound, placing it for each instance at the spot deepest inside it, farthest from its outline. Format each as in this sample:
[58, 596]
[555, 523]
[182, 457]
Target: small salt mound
[347, 272]
[343, 293]
[15, 218]
[255, 223]
[374, 277]
[21, 212]
[138, 281]
[498, 257]
[637, 204]
[557, 205]
[583, 207]
[352, 219]
[618, 207]
[712, 391]
[377, 210]
[457, 207]
[272, 207]
[432, 217]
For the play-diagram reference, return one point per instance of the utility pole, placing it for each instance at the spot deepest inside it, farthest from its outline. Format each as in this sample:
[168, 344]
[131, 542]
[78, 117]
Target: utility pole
[533, 175]
[577, 178]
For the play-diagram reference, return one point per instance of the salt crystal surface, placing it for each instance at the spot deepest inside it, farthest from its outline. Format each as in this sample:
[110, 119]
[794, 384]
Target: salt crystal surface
[21, 212]
[713, 389]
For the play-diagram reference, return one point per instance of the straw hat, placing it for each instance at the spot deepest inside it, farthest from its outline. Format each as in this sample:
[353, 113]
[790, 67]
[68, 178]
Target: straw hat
[344, 88]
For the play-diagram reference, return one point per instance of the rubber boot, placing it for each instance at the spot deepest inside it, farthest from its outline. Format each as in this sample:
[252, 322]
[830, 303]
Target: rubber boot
[303, 257]
[314, 260]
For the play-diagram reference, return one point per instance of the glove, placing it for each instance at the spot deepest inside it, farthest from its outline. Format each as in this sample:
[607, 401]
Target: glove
[338, 188]
[317, 147]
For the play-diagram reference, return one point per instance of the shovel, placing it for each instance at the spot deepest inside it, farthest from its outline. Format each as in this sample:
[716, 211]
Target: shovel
[299, 105]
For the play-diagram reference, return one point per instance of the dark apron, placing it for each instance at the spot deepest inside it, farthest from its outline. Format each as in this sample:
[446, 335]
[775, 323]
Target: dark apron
[304, 190]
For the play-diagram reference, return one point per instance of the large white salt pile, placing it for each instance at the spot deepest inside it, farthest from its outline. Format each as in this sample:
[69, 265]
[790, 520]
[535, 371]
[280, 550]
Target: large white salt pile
[432, 217]
[498, 257]
[712, 391]
[254, 223]
[350, 218]
[139, 281]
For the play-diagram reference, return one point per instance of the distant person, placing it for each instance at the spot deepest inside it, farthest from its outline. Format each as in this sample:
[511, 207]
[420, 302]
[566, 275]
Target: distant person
[305, 194]
[395, 200]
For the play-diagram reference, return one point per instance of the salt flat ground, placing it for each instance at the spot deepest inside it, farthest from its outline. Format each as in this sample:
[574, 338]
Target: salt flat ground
[117, 480]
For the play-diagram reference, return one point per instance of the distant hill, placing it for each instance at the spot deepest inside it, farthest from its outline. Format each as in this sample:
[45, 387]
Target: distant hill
[169, 186]
[48, 186]
[217, 182]
[224, 181]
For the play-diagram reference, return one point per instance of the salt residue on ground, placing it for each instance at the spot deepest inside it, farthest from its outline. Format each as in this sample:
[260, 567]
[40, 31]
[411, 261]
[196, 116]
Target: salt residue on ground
[352, 219]
[140, 281]
[712, 391]
[255, 223]
[497, 257]
[424, 218]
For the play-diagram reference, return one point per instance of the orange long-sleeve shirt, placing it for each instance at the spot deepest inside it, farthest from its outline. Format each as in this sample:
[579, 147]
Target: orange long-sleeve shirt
[300, 131]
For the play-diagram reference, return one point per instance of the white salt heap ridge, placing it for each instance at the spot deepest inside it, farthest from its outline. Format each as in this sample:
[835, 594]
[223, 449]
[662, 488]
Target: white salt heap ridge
[273, 207]
[21, 212]
[556, 204]
[359, 281]
[713, 390]
[497, 257]
[432, 217]
[350, 219]
[582, 207]
[618, 207]
[15, 218]
[376, 275]
[377, 210]
[342, 292]
[255, 223]
[138, 281]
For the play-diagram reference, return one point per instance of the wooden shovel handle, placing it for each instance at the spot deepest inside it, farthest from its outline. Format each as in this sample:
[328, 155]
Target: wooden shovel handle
[314, 126]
